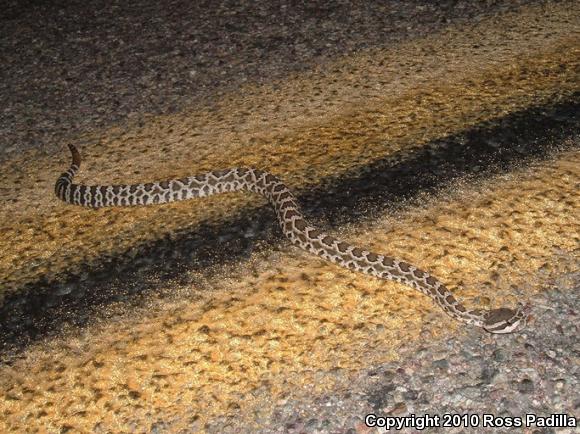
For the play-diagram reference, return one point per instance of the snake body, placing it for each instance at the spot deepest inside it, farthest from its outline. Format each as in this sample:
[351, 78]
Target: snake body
[294, 226]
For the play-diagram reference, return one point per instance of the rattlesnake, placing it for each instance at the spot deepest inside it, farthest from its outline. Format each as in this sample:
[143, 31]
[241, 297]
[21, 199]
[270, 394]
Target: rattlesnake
[293, 225]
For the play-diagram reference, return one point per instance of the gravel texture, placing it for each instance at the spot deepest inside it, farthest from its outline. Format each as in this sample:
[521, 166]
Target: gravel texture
[70, 68]
[73, 67]
[532, 373]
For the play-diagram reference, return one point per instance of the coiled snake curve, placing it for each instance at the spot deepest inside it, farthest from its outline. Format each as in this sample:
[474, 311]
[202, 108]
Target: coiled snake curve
[293, 225]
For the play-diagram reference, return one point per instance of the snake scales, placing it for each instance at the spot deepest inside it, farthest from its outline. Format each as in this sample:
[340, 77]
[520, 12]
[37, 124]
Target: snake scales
[293, 225]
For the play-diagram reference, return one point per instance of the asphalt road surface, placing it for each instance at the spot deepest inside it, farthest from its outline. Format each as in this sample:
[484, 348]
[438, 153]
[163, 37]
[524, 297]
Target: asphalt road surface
[446, 135]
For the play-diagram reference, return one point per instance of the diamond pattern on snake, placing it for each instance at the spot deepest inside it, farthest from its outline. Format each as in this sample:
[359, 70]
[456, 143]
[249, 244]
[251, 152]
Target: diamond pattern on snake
[294, 226]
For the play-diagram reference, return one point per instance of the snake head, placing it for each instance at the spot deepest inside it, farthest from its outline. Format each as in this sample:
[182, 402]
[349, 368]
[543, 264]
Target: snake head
[504, 320]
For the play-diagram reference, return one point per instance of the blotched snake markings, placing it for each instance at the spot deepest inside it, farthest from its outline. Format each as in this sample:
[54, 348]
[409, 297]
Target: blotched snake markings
[293, 225]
